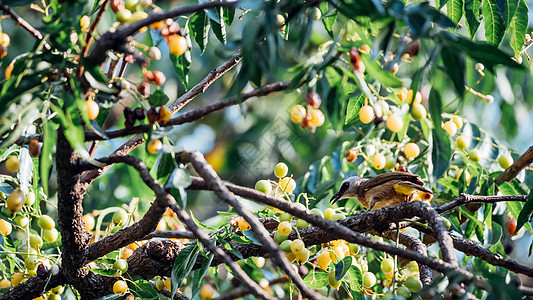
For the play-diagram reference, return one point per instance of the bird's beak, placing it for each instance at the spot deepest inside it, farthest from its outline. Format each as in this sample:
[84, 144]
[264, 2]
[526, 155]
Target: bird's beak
[335, 197]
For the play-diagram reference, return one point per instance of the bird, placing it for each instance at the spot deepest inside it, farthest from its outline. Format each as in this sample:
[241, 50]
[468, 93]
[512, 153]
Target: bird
[383, 190]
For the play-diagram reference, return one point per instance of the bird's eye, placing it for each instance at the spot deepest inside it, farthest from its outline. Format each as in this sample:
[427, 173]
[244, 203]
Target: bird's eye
[344, 187]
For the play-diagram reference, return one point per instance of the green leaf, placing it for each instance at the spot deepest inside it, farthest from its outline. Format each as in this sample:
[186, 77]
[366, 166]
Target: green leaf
[228, 15]
[105, 272]
[342, 267]
[495, 234]
[472, 12]
[455, 10]
[181, 64]
[355, 279]
[250, 234]
[525, 214]
[111, 297]
[406, 120]
[441, 153]
[376, 72]
[352, 110]
[515, 208]
[219, 27]
[328, 19]
[519, 27]
[316, 280]
[199, 275]
[454, 64]
[183, 266]
[202, 225]
[142, 289]
[494, 23]
[179, 178]
[507, 8]
[199, 28]
[158, 98]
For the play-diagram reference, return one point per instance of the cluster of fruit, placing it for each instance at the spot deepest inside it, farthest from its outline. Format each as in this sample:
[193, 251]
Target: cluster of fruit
[129, 11]
[312, 117]
[4, 43]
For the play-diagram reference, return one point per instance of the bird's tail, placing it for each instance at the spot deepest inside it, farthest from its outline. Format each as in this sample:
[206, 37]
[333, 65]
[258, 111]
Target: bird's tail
[408, 188]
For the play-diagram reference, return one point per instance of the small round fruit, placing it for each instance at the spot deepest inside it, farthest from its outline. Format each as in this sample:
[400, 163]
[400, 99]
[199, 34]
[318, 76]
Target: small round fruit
[337, 216]
[285, 228]
[474, 155]
[323, 260]
[302, 256]
[4, 283]
[154, 53]
[354, 248]
[287, 184]
[54, 269]
[379, 161]
[207, 291]
[30, 198]
[22, 221]
[366, 114]
[281, 170]
[403, 292]
[263, 186]
[317, 117]
[297, 246]
[92, 109]
[5, 227]
[120, 287]
[85, 21]
[51, 235]
[411, 150]
[297, 113]
[89, 222]
[369, 279]
[177, 44]
[391, 162]
[31, 263]
[418, 112]
[511, 226]
[301, 224]
[120, 217]
[15, 200]
[131, 4]
[121, 265]
[488, 99]
[332, 282]
[505, 161]
[339, 251]
[9, 70]
[154, 146]
[36, 242]
[314, 13]
[450, 127]
[286, 246]
[387, 265]
[243, 224]
[394, 123]
[12, 164]
[317, 212]
[159, 79]
[413, 284]
[46, 223]
[16, 278]
[164, 113]
[479, 67]
[285, 216]
[125, 253]
[418, 97]
[462, 142]
[146, 3]
[351, 156]
[259, 261]
[123, 15]
[159, 284]
[33, 147]
[328, 213]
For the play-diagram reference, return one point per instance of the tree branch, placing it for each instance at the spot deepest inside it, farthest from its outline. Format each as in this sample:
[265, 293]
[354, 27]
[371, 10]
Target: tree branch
[19, 20]
[215, 183]
[467, 199]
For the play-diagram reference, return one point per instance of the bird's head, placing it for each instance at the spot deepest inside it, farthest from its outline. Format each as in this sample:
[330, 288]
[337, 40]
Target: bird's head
[349, 189]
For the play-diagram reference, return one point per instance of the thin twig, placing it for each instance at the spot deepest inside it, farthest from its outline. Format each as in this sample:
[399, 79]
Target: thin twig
[466, 199]
[170, 235]
[24, 24]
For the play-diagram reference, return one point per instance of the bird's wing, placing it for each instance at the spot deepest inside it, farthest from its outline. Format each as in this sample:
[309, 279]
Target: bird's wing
[392, 176]
[407, 188]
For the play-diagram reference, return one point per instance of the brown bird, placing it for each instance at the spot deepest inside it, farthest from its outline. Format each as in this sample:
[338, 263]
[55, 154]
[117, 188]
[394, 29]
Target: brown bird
[386, 189]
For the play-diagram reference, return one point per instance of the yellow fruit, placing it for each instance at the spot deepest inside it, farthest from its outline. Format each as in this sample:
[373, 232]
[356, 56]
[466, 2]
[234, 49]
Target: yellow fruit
[505, 161]
[89, 222]
[12, 164]
[9, 70]
[137, 16]
[474, 155]
[323, 260]
[291, 257]
[411, 150]
[36, 242]
[31, 263]
[243, 224]
[154, 146]
[207, 291]
[16, 278]
[4, 283]
[328, 213]
[168, 284]
[458, 121]
[331, 280]
[394, 123]
[287, 184]
[5, 227]
[387, 265]
[366, 114]
[177, 44]
[297, 246]
[126, 253]
[92, 109]
[284, 228]
[369, 279]
[30, 198]
[259, 261]
[22, 221]
[51, 235]
[379, 161]
[46, 223]
[120, 287]
[450, 127]
[418, 97]
[85, 21]
[5, 40]
[15, 200]
[263, 186]
[302, 256]
[462, 142]
[162, 225]
[120, 217]
[281, 170]
[418, 112]
[123, 15]
[297, 113]
[164, 114]
[317, 117]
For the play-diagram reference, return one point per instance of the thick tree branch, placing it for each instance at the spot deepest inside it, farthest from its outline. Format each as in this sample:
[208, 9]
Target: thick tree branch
[199, 88]
[467, 199]
[170, 235]
[33, 287]
[19, 20]
[215, 183]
